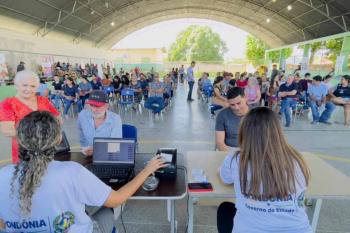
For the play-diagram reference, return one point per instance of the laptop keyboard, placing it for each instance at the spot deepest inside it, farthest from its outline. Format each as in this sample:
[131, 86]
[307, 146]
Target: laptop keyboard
[106, 172]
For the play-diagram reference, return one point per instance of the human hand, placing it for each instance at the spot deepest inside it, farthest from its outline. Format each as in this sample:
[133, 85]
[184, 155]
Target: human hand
[87, 150]
[154, 164]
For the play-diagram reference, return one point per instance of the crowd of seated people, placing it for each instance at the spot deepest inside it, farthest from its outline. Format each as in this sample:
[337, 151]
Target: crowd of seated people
[287, 95]
[236, 126]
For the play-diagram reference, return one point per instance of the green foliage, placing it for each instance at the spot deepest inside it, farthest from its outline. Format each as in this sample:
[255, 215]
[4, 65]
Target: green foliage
[198, 43]
[255, 50]
[314, 48]
[275, 56]
[334, 46]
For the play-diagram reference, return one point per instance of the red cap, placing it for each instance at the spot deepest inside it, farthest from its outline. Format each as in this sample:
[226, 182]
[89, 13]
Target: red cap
[95, 103]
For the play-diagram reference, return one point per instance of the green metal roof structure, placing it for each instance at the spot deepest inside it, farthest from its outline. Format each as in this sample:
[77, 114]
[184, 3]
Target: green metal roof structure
[105, 22]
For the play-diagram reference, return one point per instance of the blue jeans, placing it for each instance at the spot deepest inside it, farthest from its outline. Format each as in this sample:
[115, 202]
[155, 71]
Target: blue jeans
[327, 113]
[68, 103]
[190, 86]
[83, 99]
[56, 100]
[286, 106]
[156, 104]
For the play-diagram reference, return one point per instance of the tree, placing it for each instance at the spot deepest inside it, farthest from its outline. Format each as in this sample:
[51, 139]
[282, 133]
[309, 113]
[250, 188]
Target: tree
[255, 50]
[197, 43]
[314, 48]
[334, 46]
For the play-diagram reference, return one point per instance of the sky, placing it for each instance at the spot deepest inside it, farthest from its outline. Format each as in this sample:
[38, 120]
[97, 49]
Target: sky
[164, 33]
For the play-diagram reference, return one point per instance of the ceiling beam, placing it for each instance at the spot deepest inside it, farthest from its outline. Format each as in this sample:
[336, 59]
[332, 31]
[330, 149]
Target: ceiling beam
[324, 14]
[320, 22]
[61, 19]
[311, 10]
[177, 9]
[45, 21]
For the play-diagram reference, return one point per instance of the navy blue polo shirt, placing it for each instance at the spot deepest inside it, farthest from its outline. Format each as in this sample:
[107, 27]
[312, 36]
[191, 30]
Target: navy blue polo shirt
[96, 86]
[343, 92]
[70, 91]
[292, 87]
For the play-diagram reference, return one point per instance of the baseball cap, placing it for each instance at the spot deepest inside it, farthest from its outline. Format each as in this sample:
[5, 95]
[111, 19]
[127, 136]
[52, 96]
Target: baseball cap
[97, 98]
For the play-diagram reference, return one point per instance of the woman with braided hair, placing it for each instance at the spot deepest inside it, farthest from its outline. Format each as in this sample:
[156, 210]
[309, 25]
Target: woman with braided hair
[39, 194]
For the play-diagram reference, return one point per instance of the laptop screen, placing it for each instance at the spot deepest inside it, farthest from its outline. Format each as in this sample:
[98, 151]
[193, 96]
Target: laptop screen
[114, 151]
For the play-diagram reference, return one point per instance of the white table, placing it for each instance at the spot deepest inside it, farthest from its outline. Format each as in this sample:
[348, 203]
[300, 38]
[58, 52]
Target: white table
[326, 181]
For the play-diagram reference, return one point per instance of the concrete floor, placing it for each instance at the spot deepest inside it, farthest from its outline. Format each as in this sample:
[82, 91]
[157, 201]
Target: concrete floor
[189, 126]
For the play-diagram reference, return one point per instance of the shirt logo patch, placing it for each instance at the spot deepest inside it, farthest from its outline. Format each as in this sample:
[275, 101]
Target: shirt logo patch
[63, 222]
[2, 225]
[301, 199]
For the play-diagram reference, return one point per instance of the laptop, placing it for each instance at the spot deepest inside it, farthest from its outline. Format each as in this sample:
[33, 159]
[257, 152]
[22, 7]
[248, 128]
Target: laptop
[113, 159]
[63, 147]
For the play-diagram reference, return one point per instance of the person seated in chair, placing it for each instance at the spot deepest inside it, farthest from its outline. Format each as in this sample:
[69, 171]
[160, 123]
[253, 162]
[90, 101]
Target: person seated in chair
[97, 121]
[219, 99]
[168, 89]
[228, 120]
[341, 96]
[71, 95]
[144, 85]
[287, 92]
[85, 89]
[135, 85]
[269, 178]
[95, 83]
[155, 101]
[203, 81]
[51, 196]
[317, 98]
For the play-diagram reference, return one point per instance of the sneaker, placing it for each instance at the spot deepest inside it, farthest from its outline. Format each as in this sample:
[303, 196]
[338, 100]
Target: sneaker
[287, 125]
[314, 122]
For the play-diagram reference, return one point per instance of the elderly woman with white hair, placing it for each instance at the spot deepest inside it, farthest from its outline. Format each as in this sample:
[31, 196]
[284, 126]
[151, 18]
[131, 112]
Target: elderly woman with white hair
[13, 109]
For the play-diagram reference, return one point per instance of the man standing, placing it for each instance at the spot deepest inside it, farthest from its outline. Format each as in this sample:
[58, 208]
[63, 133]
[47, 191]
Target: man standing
[287, 92]
[97, 121]
[317, 97]
[274, 73]
[228, 120]
[190, 80]
[182, 72]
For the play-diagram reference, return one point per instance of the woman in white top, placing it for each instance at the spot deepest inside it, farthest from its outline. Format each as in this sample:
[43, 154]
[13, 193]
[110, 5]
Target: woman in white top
[42, 195]
[269, 177]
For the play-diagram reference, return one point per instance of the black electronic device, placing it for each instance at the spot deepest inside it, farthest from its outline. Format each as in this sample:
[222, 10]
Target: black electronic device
[170, 157]
[200, 187]
[64, 146]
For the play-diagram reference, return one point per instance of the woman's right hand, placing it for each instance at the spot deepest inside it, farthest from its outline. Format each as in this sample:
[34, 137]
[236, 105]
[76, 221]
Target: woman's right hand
[154, 164]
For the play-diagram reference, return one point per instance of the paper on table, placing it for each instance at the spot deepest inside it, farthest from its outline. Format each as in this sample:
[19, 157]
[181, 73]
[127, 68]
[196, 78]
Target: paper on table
[167, 157]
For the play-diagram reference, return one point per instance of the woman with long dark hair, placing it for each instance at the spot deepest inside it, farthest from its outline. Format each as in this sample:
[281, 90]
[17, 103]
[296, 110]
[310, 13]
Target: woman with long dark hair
[270, 178]
[50, 196]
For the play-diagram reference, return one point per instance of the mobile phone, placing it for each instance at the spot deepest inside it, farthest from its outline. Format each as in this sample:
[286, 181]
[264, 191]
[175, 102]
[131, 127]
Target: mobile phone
[200, 187]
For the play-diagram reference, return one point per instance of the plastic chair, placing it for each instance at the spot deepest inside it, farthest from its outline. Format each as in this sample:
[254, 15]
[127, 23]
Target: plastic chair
[126, 97]
[207, 92]
[109, 90]
[130, 131]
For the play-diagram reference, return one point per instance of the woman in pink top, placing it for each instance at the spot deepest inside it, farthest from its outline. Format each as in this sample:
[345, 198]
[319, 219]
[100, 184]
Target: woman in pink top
[252, 92]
